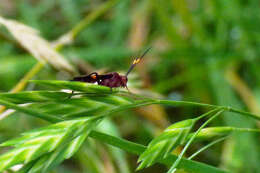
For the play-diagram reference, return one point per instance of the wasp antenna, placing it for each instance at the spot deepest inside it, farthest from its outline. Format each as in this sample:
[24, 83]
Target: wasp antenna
[145, 52]
[137, 60]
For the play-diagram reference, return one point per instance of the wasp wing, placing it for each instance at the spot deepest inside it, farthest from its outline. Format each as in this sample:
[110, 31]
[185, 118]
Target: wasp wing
[105, 76]
[91, 78]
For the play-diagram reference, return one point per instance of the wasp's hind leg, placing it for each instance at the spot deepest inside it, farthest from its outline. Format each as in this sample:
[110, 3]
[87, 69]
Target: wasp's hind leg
[72, 92]
[128, 89]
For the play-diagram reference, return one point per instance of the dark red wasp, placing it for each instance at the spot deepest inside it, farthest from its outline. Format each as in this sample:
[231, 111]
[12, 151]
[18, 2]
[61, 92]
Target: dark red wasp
[112, 80]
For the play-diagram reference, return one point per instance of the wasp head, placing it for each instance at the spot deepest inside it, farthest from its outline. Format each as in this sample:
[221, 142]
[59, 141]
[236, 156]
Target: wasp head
[124, 81]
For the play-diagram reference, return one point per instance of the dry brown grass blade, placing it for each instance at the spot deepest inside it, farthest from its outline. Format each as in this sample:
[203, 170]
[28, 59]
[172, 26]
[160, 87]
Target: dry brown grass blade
[40, 48]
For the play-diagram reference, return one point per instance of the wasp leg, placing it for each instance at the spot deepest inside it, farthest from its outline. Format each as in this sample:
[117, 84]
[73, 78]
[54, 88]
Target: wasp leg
[72, 92]
[111, 90]
[128, 89]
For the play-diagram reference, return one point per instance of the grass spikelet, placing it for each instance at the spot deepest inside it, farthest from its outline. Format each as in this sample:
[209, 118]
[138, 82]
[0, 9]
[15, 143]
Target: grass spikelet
[67, 135]
[162, 145]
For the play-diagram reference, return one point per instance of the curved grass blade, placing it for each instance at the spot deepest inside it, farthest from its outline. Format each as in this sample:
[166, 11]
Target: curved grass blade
[187, 165]
[75, 86]
[32, 112]
[106, 93]
[34, 96]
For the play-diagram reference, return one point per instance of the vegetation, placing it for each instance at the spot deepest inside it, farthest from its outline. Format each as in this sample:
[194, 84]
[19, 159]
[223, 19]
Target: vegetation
[193, 104]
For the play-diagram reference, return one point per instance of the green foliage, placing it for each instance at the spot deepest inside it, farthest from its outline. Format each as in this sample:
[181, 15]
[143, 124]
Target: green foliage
[202, 52]
[59, 141]
[44, 148]
[161, 146]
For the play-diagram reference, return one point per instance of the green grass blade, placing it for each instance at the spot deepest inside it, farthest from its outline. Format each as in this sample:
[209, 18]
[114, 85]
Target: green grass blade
[31, 112]
[75, 86]
[138, 149]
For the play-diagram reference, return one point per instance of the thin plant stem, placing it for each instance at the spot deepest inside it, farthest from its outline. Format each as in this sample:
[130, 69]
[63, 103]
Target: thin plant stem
[176, 163]
[246, 130]
[207, 113]
[206, 147]
[219, 140]
[226, 108]
[244, 113]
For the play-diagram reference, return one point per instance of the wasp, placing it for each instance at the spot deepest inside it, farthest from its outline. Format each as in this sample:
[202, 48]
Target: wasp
[111, 80]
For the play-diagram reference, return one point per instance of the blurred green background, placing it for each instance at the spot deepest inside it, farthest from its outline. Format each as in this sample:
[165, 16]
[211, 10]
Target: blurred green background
[202, 51]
